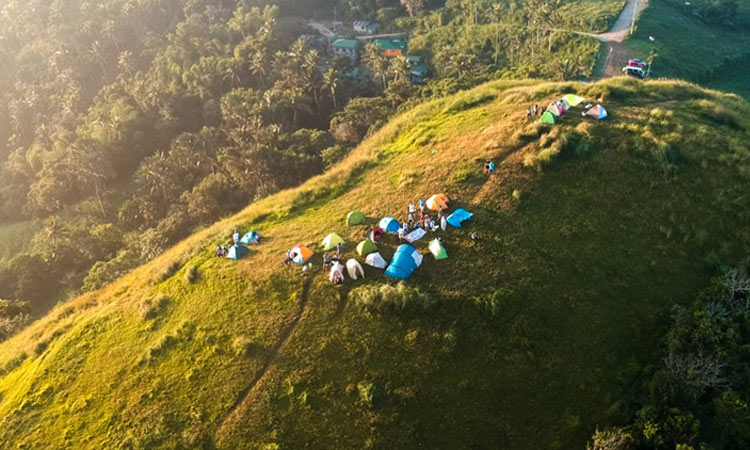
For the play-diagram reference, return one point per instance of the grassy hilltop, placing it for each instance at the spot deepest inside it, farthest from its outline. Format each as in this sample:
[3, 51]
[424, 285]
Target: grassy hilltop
[528, 338]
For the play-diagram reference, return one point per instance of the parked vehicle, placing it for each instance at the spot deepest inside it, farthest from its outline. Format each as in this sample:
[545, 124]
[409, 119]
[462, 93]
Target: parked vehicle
[635, 71]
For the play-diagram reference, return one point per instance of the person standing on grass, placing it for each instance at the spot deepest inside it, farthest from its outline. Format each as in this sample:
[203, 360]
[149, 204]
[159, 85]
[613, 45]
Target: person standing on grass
[236, 237]
[491, 169]
[421, 205]
[340, 249]
[401, 234]
[528, 113]
[536, 110]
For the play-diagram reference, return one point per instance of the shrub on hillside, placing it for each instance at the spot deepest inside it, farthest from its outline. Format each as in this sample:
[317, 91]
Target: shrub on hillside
[385, 298]
[191, 274]
[153, 306]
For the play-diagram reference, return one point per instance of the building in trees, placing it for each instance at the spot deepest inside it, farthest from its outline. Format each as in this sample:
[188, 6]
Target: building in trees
[348, 48]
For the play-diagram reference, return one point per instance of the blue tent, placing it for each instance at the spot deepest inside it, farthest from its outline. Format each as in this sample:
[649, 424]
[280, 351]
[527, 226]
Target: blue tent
[237, 251]
[404, 262]
[459, 216]
[389, 224]
[250, 237]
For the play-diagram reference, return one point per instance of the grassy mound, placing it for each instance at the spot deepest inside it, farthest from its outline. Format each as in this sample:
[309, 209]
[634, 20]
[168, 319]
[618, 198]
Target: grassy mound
[527, 337]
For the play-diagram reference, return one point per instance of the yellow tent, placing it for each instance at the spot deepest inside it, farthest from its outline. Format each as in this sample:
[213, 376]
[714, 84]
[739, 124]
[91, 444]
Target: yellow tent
[573, 99]
[331, 241]
[437, 201]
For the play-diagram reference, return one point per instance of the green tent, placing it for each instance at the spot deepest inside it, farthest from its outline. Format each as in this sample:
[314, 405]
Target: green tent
[548, 117]
[331, 241]
[355, 218]
[366, 247]
[573, 99]
[437, 249]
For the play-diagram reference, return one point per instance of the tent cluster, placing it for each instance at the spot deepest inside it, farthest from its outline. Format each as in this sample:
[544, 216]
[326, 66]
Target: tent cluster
[555, 110]
[405, 260]
[239, 248]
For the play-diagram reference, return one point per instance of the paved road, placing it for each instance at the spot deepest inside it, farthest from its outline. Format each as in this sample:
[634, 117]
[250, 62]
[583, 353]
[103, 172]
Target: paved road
[621, 29]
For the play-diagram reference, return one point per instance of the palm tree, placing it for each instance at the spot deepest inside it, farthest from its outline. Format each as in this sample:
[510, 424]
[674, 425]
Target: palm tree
[399, 68]
[377, 63]
[331, 84]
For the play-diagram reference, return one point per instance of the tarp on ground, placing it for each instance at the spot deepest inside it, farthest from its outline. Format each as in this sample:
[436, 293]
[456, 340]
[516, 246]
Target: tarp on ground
[250, 237]
[374, 234]
[366, 247]
[415, 235]
[355, 218]
[300, 254]
[548, 118]
[597, 112]
[354, 269]
[237, 251]
[376, 260]
[573, 99]
[405, 261]
[331, 241]
[437, 201]
[458, 216]
[437, 249]
[389, 224]
[336, 268]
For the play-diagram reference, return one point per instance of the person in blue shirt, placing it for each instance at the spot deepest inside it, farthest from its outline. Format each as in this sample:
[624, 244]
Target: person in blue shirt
[491, 168]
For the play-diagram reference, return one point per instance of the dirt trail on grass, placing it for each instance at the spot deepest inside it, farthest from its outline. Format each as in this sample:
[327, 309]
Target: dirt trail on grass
[273, 353]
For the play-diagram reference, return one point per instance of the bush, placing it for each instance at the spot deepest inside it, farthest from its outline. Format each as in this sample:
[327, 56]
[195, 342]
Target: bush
[191, 274]
[152, 307]
[385, 298]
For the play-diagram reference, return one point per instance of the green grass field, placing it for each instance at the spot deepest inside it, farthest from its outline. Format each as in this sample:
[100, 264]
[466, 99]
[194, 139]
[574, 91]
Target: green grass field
[527, 338]
[691, 49]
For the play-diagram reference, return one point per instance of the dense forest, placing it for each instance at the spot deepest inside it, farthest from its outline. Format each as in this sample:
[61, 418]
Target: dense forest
[127, 124]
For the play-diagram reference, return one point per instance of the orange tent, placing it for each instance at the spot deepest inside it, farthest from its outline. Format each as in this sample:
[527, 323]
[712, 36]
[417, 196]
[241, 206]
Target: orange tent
[300, 254]
[437, 201]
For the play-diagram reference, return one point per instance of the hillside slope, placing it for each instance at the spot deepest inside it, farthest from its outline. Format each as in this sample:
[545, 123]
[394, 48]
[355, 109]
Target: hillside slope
[526, 338]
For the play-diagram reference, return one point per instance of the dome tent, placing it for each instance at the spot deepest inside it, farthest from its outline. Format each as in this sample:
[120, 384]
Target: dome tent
[437, 249]
[331, 241]
[336, 269]
[548, 118]
[354, 269]
[366, 247]
[458, 216]
[355, 218]
[237, 252]
[300, 254]
[573, 100]
[597, 112]
[389, 224]
[405, 261]
[437, 201]
[250, 237]
[374, 234]
[375, 260]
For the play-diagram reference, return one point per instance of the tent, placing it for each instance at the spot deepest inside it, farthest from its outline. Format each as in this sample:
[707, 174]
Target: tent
[415, 235]
[443, 223]
[437, 249]
[354, 268]
[336, 268]
[437, 202]
[366, 247]
[563, 104]
[554, 109]
[597, 112]
[331, 241]
[458, 216]
[375, 260]
[250, 238]
[573, 99]
[404, 262]
[389, 224]
[374, 234]
[355, 218]
[300, 254]
[237, 251]
[548, 118]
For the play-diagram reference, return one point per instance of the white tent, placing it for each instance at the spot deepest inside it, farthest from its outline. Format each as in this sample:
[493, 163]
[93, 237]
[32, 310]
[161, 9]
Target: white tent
[336, 268]
[375, 260]
[354, 268]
